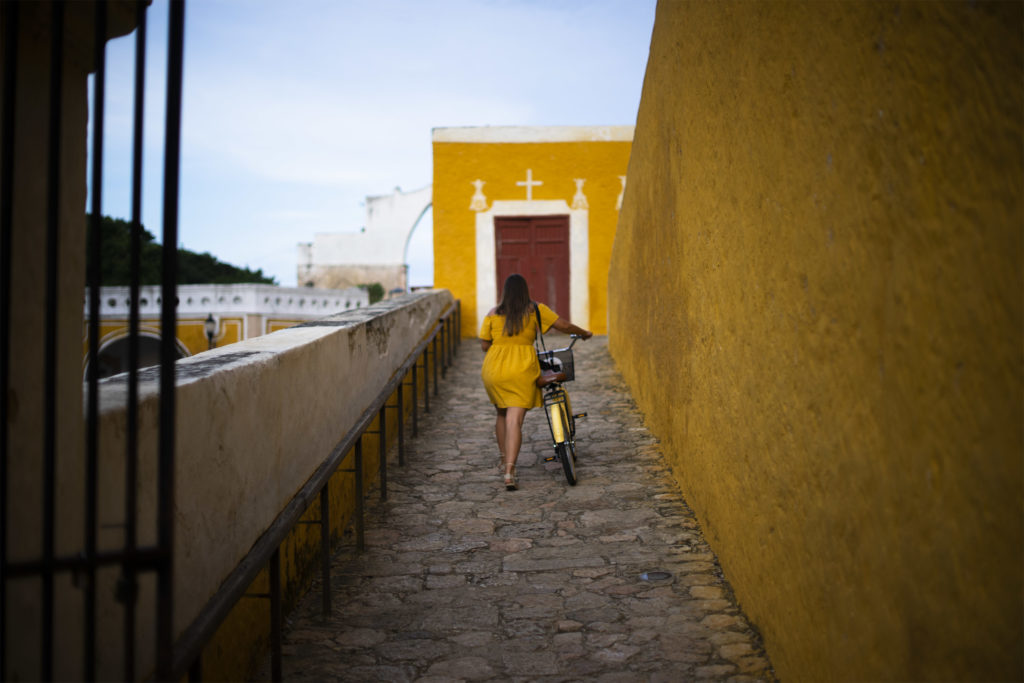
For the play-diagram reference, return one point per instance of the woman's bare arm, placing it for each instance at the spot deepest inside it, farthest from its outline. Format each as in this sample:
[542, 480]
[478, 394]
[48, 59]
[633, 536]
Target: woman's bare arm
[563, 325]
[486, 343]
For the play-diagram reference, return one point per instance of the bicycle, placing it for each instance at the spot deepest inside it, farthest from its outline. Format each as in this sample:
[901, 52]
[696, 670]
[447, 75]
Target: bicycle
[557, 368]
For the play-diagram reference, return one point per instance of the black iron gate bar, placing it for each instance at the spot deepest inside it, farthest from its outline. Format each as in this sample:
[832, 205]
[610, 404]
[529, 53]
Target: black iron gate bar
[95, 248]
[50, 334]
[10, 47]
[265, 552]
[168, 321]
[129, 590]
[131, 558]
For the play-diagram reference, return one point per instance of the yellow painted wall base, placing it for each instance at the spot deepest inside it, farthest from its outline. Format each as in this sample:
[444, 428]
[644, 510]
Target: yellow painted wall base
[816, 298]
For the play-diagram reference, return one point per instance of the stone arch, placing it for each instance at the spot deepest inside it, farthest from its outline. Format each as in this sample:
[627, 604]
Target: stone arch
[412, 229]
[113, 353]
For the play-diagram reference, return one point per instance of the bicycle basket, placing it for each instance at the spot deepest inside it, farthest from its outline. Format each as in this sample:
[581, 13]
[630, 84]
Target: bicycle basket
[557, 360]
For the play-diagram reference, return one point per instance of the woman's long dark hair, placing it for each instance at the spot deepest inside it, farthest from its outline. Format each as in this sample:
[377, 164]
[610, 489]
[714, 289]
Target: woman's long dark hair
[515, 304]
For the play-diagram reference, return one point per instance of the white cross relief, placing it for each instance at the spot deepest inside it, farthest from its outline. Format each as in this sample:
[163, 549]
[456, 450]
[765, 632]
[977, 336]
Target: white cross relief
[529, 183]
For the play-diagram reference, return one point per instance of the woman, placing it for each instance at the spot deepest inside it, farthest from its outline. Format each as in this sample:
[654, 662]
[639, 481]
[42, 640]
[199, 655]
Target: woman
[510, 369]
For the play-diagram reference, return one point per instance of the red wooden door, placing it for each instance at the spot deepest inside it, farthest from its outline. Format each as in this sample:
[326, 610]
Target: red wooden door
[536, 247]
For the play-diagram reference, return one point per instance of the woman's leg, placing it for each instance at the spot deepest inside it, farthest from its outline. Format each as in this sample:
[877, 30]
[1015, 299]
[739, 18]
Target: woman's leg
[513, 435]
[499, 431]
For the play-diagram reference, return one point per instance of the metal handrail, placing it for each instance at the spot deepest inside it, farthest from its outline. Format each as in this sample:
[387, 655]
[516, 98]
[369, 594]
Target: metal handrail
[189, 646]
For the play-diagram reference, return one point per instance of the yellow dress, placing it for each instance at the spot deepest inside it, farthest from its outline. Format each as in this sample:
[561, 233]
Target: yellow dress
[510, 366]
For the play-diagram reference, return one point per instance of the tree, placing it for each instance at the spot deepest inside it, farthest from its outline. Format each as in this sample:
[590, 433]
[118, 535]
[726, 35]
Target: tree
[375, 290]
[193, 268]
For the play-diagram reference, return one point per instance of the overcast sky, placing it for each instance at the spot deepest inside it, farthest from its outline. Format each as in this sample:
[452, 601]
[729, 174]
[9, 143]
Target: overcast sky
[295, 111]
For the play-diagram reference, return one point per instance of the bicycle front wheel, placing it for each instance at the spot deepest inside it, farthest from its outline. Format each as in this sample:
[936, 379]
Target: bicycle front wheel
[567, 456]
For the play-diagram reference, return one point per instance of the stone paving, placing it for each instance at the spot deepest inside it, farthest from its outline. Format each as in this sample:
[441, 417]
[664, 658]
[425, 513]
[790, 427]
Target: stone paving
[462, 580]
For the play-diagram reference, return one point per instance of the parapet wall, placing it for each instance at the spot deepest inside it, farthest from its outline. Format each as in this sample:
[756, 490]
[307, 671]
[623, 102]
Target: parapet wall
[258, 417]
[254, 421]
[816, 299]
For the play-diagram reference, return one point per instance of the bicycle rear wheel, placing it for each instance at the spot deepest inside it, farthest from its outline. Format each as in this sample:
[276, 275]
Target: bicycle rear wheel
[567, 456]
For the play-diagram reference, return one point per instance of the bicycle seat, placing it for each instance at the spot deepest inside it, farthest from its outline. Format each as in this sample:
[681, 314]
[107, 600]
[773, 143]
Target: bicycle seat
[547, 378]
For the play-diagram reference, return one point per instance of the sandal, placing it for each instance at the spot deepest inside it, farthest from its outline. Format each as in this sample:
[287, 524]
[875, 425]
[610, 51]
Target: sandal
[510, 481]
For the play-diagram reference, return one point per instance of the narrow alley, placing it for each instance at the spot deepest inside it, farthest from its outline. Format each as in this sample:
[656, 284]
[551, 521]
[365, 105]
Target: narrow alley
[463, 580]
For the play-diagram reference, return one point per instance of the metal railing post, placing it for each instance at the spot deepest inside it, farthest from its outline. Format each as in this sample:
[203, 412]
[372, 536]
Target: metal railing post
[360, 529]
[436, 383]
[444, 347]
[325, 548]
[426, 379]
[383, 448]
[401, 425]
[275, 616]
[451, 338]
[458, 324]
[415, 400]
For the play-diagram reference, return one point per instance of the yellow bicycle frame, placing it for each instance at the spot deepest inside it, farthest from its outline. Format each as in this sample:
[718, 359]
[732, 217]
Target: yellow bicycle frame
[555, 415]
[559, 415]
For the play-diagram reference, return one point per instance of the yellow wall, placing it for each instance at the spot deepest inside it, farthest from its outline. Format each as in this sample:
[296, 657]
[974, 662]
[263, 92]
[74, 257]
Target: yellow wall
[501, 165]
[275, 325]
[816, 299]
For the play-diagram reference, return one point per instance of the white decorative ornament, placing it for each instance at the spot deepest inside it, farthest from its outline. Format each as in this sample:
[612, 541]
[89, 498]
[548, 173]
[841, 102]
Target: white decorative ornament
[579, 200]
[529, 183]
[618, 202]
[479, 201]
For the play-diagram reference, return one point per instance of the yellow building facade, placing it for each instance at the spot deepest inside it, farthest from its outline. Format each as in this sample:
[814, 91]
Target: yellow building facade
[817, 301]
[540, 200]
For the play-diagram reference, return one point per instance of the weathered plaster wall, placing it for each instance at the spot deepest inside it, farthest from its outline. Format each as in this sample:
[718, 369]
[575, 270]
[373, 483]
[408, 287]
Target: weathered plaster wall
[500, 157]
[375, 254]
[344, 276]
[255, 419]
[816, 298]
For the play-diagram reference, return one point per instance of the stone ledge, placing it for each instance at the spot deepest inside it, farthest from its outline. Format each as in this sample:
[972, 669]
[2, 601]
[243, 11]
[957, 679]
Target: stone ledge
[254, 420]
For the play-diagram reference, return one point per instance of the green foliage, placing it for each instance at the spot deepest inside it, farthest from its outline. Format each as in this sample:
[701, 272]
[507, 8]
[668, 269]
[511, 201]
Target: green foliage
[193, 268]
[375, 290]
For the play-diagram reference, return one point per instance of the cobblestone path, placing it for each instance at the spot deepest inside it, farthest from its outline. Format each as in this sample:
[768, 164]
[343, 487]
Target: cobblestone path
[462, 580]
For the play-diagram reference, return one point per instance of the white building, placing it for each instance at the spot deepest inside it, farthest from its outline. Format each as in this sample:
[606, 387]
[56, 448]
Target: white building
[378, 253]
[235, 312]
